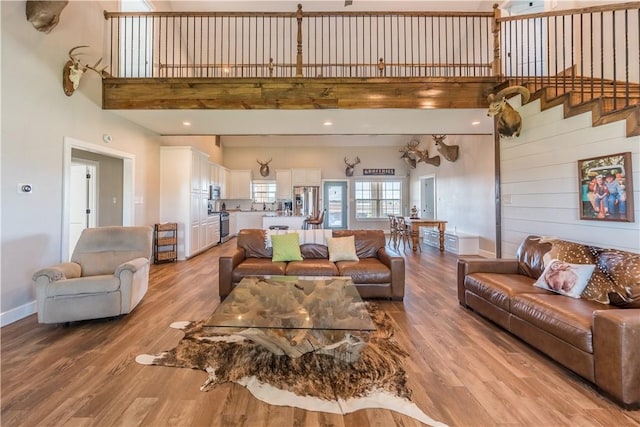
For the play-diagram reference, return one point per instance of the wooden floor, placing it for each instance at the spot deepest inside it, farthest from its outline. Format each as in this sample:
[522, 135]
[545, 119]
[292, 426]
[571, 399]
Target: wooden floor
[463, 370]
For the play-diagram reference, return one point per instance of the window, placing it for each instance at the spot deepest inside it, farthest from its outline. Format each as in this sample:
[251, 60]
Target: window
[264, 191]
[377, 199]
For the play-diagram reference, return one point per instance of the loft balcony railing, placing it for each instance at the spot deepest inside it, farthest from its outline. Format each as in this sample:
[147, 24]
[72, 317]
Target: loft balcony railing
[592, 52]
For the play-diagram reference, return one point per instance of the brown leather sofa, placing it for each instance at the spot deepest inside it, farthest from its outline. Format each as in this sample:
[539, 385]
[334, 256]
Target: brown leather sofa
[376, 274]
[600, 341]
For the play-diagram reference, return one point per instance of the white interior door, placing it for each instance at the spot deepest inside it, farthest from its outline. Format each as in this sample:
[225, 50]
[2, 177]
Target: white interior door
[82, 200]
[428, 197]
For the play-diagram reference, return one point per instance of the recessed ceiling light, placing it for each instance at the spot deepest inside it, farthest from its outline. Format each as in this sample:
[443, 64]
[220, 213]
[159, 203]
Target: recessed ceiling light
[186, 123]
[475, 123]
[328, 123]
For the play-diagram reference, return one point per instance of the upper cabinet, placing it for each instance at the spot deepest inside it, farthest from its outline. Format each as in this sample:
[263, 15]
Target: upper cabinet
[199, 171]
[306, 177]
[239, 184]
[283, 183]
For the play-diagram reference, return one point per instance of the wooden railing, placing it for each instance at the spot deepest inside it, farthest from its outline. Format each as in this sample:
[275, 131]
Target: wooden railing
[319, 44]
[593, 51]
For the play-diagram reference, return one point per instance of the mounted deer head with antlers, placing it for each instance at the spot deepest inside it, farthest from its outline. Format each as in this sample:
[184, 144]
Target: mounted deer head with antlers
[349, 169]
[44, 15]
[449, 152]
[412, 155]
[74, 69]
[509, 120]
[264, 167]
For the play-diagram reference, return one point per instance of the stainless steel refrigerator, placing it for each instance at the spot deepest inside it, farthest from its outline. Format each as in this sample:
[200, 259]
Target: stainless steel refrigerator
[306, 201]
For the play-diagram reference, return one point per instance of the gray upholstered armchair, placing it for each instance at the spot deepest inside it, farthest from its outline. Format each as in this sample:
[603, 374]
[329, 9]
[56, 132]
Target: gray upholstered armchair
[107, 276]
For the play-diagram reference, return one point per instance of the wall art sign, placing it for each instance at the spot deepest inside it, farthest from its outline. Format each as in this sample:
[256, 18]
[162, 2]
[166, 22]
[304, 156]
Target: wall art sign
[378, 171]
[606, 188]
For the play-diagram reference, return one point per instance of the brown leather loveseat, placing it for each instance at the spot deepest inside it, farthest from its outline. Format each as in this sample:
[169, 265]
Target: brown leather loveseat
[376, 274]
[596, 335]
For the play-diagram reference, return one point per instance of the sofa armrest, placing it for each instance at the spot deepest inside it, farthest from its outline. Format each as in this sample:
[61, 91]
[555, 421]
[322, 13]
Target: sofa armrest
[132, 266]
[226, 266]
[616, 351]
[482, 265]
[396, 265]
[65, 270]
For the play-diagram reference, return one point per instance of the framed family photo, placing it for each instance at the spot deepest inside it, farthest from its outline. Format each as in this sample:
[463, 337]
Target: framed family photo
[606, 188]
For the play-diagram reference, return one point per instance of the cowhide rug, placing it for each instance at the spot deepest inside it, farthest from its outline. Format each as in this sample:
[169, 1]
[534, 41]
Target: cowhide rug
[315, 382]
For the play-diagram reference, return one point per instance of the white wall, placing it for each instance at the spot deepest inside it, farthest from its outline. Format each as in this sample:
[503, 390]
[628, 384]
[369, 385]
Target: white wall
[465, 195]
[36, 116]
[328, 157]
[539, 180]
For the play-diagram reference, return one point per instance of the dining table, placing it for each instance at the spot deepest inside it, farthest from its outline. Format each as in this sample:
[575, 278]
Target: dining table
[414, 225]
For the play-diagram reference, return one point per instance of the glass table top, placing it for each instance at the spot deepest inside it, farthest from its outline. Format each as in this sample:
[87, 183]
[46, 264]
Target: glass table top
[290, 302]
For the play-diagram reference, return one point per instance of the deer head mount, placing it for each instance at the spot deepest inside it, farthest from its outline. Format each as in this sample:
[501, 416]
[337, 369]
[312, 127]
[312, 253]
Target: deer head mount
[412, 155]
[449, 152]
[44, 15]
[349, 169]
[509, 120]
[74, 69]
[264, 167]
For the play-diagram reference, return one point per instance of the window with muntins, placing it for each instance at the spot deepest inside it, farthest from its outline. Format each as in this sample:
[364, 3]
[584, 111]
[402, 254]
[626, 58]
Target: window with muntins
[264, 191]
[378, 199]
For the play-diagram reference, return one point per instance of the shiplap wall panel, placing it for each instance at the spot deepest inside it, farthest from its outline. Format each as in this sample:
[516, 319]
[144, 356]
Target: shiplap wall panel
[539, 179]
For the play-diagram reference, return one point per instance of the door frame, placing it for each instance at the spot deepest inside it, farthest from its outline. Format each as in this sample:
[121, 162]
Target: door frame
[347, 204]
[421, 179]
[128, 181]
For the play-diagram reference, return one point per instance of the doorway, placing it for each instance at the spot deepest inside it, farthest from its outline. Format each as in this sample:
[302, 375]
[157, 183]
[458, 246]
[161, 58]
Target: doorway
[83, 207]
[335, 204]
[428, 197]
[128, 167]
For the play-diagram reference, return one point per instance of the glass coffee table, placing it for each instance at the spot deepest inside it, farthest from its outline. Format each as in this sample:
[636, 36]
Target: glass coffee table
[293, 316]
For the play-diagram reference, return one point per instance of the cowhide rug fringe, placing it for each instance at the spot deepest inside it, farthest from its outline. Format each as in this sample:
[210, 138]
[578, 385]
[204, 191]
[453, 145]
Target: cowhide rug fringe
[315, 382]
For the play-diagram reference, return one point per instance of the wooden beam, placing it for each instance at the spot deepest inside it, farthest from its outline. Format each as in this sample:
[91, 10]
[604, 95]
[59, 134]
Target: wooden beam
[296, 93]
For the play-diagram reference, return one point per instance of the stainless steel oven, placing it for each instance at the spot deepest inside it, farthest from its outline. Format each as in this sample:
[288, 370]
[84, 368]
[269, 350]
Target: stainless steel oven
[224, 227]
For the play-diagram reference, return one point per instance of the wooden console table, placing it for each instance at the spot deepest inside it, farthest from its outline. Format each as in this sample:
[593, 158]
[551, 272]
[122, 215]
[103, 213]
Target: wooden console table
[416, 223]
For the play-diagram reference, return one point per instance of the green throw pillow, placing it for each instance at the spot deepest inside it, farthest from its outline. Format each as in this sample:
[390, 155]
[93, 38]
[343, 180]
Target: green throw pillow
[286, 247]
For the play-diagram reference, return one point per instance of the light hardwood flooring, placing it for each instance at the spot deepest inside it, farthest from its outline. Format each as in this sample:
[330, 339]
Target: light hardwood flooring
[463, 370]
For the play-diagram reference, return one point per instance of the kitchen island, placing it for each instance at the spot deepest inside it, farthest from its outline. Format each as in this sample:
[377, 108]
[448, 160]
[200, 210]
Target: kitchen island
[294, 222]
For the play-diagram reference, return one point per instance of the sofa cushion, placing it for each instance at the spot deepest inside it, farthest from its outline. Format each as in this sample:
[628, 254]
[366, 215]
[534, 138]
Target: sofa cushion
[499, 288]
[286, 247]
[568, 319]
[342, 249]
[258, 267]
[624, 269]
[252, 241]
[367, 270]
[530, 256]
[312, 250]
[312, 267]
[565, 278]
[367, 241]
[84, 285]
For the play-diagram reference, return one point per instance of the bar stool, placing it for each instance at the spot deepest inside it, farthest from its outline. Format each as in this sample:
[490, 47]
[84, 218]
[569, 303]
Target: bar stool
[316, 222]
[278, 227]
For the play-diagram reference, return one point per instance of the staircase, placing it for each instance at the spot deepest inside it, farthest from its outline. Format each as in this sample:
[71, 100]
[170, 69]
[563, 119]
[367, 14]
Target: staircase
[608, 101]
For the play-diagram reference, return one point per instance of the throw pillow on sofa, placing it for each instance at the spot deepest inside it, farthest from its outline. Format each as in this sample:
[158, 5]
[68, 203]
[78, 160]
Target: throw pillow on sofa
[342, 249]
[565, 278]
[286, 247]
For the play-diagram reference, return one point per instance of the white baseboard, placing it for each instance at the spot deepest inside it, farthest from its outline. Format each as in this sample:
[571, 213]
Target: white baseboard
[486, 254]
[18, 313]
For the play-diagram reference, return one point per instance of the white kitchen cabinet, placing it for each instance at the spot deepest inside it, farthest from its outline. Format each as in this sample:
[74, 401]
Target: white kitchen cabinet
[183, 196]
[249, 220]
[223, 176]
[306, 177]
[283, 184]
[233, 223]
[239, 184]
[455, 242]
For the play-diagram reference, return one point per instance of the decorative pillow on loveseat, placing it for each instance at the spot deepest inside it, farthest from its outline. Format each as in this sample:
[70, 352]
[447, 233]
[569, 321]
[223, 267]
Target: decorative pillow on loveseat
[342, 249]
[286, 247]
[565, 278]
